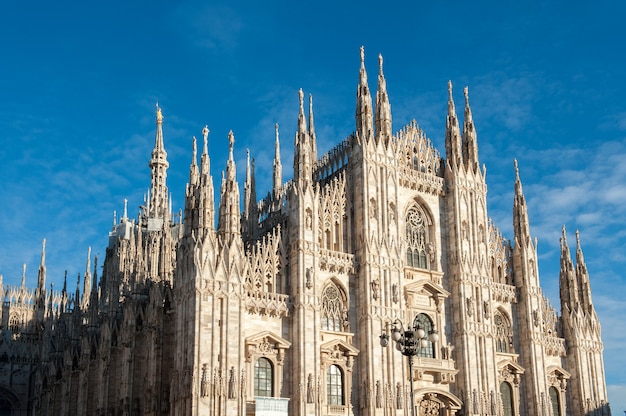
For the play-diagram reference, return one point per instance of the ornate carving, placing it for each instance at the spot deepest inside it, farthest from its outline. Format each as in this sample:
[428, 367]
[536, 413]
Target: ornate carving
[429, 407]
[375, 289]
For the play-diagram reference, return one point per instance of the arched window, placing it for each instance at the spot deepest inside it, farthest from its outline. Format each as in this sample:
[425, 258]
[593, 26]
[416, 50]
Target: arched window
[504, 332]
[14, 323]
[263, 378]
[416, 238]
[506, 393]
[423, 321]
[333, 309]
[556, 403]
[334, 385]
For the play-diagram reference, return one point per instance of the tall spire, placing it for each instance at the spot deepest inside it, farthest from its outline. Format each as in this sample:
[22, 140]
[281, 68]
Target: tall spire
[41, 278]
[521, 224]
[525, 268]
[363, 102]
[87, 282]
[312, 137]
[193, 168]
[23, 285]
[470, 145]
[207, 195]
[568, 286]
[453, 135]
[229, 214]
[278, 167]
[158, 207]
[383, 108]
[301, 120]
[205, 161]
[583, 278]
[249, 196]
[303, 156]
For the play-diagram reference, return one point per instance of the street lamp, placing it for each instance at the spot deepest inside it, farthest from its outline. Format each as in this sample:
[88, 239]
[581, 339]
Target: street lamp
[409, 343]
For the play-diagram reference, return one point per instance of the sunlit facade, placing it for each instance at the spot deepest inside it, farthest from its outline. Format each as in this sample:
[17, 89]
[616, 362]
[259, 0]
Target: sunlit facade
[276, 307]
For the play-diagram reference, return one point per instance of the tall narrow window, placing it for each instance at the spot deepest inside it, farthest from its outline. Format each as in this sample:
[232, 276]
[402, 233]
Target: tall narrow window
[423, 321]
[416, 238]
[507, 398]
[334, 385]
[263, 378]
[333, 309]
[556, 403]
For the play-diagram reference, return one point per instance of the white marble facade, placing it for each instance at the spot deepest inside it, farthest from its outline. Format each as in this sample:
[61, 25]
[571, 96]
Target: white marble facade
[277, 307]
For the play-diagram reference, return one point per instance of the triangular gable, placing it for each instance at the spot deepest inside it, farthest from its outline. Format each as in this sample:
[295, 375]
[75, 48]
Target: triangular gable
[559, 372]
[265, 342]
[511, 366]
[426, 285]
[335, 346]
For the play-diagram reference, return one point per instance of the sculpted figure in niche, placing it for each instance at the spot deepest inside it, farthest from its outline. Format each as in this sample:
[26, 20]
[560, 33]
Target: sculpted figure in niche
[310, 396]
[470, 306]
[394, 293]
[373, 208]
[375, 289]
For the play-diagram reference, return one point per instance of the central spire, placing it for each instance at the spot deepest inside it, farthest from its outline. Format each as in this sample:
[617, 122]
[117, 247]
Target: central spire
[158, 207]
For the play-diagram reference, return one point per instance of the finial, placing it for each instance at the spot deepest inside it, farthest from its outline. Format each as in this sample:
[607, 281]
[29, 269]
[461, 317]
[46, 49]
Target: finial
[205, 135]
[380, 62]
[194, 150]
[362, 56]
[159, 115]
[276, 128]
[466, 93]
[114, 218]
[205, 132]
[125, 208]
[301, 95]
[450, 89]
[231, 144]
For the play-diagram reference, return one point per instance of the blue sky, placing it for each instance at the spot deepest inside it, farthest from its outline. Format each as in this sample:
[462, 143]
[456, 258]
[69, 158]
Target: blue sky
[79, 83]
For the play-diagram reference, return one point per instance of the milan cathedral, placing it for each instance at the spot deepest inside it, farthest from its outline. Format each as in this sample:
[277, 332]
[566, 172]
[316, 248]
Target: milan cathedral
[286, 305]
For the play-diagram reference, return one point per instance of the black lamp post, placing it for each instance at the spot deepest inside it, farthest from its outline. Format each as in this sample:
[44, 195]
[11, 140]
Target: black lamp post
[409, 343]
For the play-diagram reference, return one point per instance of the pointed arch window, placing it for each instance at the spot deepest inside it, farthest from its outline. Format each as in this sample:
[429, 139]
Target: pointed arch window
[506, 394]
[504, 332]
[333, 308]
[14, 323]
[423, 321]
[555, 401]
[334, 385]
[416, 238]
[263, 377]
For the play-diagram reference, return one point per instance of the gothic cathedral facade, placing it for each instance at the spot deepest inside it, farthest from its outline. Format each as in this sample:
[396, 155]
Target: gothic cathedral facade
[285, 305]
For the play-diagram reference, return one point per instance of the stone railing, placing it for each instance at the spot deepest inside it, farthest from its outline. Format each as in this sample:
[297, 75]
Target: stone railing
[267, 303]
[421, 181]
[336, 261]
